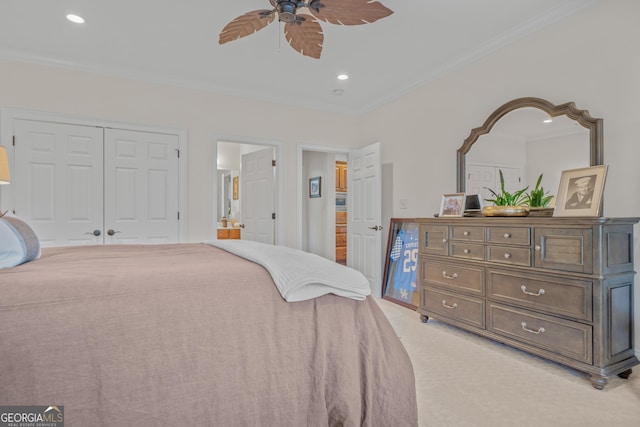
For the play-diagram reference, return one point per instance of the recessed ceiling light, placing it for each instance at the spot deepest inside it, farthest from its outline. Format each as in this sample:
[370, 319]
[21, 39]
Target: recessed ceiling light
[343, 76]
[75, 18]
[548, 120]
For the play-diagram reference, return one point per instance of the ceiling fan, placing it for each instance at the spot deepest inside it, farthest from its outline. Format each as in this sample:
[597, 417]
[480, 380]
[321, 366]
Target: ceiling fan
[303, 31]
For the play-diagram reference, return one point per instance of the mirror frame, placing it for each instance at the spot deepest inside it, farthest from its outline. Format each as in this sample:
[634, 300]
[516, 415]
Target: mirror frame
[567, 109]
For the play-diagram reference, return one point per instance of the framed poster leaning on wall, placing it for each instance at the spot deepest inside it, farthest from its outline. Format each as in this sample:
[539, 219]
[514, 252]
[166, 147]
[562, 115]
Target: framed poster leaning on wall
[399, 281]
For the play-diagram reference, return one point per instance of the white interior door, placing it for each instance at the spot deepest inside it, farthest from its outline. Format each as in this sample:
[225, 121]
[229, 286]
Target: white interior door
[364, 228]
[479, 178]
[58, 181]
[482, 177]
[141, 187]
[256, 193]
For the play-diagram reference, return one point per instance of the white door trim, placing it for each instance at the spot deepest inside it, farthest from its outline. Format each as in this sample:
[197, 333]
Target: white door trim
[299, 184]
[9, 114]
[280, 235]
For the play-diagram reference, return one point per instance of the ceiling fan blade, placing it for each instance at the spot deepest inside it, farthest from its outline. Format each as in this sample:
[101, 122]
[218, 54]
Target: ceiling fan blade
[246, 24]
[352, 12]
[305, 35]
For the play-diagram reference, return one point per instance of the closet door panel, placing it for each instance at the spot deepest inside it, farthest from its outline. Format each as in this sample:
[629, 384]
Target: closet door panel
[141, 187]
[58, 181]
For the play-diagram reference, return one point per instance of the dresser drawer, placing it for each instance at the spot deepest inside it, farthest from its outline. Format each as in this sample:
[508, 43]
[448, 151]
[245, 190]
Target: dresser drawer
[570, 339]
[471, 234]
[467, 250]
[434, 239]
[509, 255]
[453, 306]
[509, 235]
[453, 276]
[554, 295]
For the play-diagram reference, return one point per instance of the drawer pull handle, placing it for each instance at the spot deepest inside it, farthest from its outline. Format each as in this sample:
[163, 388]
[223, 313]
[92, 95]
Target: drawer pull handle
[444, 240]
[466, 251]
[537, 247]
[507, 255]
[507, 235]
[453, 276]
[450, 307]
[524, 327]
[524, 290]
[466, 233]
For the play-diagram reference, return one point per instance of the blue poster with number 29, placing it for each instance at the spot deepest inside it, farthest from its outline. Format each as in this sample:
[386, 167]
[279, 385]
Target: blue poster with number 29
[402, 263]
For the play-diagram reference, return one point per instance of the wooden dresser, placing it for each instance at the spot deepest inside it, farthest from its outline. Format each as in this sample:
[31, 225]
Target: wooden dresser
[560, 288]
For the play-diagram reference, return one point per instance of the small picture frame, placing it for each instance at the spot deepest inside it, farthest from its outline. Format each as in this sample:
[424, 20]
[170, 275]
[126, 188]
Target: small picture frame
[452, 205]
[315, 187]
[235, 188]
[580, 192]
[472, 203]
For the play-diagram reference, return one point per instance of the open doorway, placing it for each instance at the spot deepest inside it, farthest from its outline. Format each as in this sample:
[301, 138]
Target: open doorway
[322, 218]
[234, 218]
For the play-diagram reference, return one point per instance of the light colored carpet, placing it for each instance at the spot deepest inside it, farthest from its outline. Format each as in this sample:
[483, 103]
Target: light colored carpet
[465, 380]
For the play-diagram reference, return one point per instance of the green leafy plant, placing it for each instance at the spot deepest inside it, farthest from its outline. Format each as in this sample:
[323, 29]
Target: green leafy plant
[506, 198]
[538, 198]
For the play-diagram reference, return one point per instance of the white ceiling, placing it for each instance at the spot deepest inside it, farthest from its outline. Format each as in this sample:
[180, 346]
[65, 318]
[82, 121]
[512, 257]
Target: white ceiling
[176, 42]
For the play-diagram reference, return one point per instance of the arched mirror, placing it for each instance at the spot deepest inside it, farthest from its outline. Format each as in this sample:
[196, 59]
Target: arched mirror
[525, 138]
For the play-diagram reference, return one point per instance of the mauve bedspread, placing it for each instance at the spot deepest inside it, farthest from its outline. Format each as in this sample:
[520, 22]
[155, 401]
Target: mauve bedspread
[190, 335]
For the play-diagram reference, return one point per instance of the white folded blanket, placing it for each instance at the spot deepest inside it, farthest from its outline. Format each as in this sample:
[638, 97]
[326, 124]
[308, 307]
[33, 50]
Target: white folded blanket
[299, 275]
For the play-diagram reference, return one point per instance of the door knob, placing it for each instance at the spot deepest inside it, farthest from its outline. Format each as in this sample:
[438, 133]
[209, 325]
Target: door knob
[94, 232]
[376, 227]
[111, 232]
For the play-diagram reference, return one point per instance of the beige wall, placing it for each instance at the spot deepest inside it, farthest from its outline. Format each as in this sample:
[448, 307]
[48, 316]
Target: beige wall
[590, 58]
[203, 114]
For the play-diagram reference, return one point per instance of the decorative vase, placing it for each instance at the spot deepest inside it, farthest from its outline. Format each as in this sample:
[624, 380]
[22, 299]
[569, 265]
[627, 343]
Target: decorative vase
[505, 211]
[224, 221]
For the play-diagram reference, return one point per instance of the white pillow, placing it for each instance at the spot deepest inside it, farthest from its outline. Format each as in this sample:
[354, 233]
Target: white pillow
[18, 242]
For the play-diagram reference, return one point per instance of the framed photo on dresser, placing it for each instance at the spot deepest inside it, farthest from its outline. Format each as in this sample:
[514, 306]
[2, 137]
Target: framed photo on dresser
[452, 204]
[580, 192]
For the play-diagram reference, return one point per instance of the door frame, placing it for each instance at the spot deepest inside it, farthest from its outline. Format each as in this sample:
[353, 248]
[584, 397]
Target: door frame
[278, 147]
[301, 186]
[9, 114]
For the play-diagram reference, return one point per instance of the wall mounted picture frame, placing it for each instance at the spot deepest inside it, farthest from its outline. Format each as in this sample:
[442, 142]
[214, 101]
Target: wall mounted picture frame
[399, 283]
[580, 192]
[315, 187]
[235, 188]
[452, 205]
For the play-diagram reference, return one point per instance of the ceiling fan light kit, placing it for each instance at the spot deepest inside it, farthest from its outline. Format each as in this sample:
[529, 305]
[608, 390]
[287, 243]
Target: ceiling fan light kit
[303, 31]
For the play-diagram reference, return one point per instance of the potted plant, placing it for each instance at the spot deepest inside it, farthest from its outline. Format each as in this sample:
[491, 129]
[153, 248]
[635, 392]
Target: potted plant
[538, 198]
[507, 203]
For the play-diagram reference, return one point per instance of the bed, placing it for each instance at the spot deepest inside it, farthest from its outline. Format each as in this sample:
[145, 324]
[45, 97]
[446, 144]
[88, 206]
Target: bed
[192, 334]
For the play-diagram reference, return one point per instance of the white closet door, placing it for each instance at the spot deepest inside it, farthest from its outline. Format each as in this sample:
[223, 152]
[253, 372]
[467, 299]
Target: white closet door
[141, 187]
[479, 178]
[482, 177]
[58, 181]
